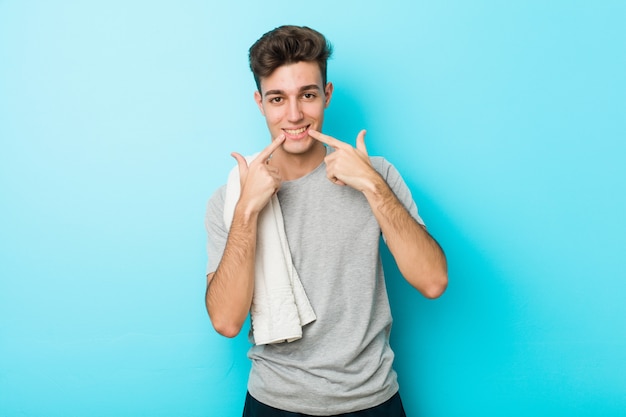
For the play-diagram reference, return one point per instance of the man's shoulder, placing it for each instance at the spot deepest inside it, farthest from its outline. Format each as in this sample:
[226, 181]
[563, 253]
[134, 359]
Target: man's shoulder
[378, 160]
[217, 198]
[381, 165]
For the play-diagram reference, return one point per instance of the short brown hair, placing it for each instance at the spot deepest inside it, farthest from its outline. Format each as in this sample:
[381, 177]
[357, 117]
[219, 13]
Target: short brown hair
[288, 45]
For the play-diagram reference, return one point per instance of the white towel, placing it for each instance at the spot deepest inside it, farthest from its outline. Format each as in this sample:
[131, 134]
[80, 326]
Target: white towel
[280, 307]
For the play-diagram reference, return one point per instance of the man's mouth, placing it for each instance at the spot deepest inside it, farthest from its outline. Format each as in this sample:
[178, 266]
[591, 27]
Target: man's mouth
[296, 132]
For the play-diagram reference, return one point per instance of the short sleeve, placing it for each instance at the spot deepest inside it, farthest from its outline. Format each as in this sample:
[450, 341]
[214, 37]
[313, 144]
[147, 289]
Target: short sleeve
[397, 185]
[216, 229]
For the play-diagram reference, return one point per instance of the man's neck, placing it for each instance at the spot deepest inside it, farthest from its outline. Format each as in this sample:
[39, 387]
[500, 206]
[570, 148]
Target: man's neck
[294, 166]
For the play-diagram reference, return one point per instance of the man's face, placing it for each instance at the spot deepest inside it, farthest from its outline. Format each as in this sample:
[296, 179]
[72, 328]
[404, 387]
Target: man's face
[293, 100]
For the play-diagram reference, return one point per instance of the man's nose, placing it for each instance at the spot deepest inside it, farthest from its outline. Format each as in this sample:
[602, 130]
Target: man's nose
[295, 111]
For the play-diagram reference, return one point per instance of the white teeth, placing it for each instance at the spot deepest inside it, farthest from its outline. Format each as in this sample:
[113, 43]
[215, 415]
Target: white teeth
[295, 132]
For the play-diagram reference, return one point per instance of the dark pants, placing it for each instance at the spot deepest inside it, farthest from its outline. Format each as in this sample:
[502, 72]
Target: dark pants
[390, 408]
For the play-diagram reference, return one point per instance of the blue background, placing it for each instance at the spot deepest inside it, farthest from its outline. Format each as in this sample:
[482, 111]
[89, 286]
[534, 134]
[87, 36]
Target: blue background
[507, 120]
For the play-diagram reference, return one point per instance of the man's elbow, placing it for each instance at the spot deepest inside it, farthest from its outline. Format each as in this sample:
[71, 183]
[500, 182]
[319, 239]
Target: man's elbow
[227, 329]
[224, 323]
[434, 291]
[436, 287]
[431, 283]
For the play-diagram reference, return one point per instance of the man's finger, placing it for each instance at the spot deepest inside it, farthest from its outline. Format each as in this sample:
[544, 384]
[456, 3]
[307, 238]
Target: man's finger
[328, 140]
[243, 165]
[267, 152]
[360, 142]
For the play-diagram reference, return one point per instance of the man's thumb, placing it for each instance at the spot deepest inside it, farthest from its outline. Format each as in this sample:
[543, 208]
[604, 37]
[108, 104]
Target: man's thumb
[243, 166]
[360, 141]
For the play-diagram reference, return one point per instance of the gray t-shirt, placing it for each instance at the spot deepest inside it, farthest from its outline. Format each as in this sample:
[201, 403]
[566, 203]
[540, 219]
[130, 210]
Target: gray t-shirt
[343, 363]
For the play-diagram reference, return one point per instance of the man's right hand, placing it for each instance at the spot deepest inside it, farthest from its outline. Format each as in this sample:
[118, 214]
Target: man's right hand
[259, 181]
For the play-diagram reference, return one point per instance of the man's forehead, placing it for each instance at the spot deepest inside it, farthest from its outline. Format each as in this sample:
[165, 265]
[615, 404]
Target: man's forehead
[293, 78]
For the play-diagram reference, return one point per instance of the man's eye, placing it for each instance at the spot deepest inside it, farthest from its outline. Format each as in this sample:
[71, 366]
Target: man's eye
[276, 99]
[309, 96]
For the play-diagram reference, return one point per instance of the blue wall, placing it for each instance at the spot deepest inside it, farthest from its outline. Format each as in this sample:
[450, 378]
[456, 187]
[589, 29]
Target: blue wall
[508, 122]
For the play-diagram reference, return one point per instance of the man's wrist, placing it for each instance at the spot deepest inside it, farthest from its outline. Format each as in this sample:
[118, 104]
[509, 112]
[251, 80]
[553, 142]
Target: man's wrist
[246, 214]
[375, 187]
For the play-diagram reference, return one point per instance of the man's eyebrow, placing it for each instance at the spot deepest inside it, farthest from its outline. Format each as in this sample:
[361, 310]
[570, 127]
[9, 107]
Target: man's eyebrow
[303, 88]
[311, 87]
[273, 92]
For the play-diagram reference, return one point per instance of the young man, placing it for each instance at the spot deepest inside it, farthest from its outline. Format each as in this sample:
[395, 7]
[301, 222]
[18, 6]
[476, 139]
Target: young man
[335, 202]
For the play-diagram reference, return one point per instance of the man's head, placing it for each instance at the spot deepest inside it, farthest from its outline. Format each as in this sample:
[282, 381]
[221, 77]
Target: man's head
[288, 45]
[289, 66]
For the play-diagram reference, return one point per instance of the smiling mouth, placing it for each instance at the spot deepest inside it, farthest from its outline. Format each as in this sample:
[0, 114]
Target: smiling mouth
[295, 132]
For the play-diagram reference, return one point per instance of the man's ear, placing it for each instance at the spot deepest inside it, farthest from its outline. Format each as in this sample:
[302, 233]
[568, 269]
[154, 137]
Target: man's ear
[259, 101]
[328, 92]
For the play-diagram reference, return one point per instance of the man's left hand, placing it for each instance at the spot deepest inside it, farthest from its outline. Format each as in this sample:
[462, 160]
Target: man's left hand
[347, 165]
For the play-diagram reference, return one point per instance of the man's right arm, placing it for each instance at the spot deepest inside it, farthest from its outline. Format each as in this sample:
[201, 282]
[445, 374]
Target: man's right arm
[230, 288]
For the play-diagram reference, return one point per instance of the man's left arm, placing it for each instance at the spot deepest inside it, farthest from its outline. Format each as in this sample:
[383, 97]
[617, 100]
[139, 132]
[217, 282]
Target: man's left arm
[419, 257]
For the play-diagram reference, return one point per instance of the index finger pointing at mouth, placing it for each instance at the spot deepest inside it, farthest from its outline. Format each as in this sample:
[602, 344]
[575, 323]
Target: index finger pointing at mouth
[328, 140]
[267, 152]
